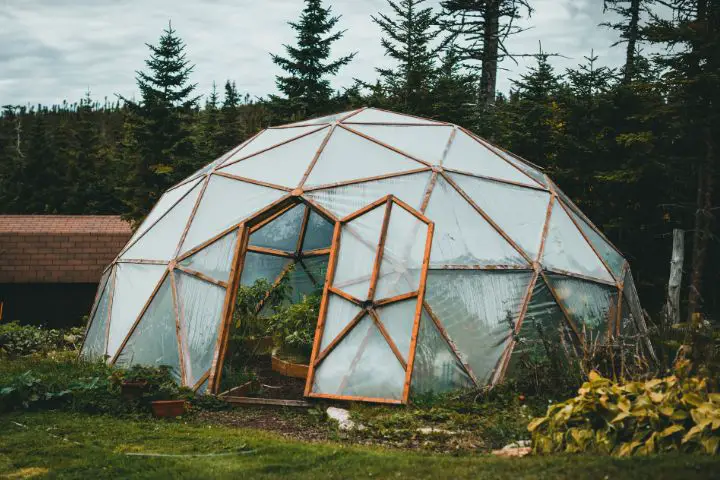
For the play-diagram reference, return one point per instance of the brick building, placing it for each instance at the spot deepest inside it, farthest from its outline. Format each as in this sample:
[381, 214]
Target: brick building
[50, 264]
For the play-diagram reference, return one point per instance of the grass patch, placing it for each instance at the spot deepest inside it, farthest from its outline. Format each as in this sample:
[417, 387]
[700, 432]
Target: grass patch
[70, 445]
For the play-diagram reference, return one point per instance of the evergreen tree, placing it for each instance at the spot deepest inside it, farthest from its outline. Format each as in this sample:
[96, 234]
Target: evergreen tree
[210, 131]
[407, 39]
[158, 148]
[454, 91]
[306, 86]
[232, 128]
[630, 31]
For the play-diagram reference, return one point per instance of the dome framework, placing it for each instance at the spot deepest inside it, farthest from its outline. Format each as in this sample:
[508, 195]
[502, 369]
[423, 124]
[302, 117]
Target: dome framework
[442, 260]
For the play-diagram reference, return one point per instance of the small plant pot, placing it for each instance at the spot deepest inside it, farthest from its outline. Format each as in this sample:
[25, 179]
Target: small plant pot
[132, 390]
[168, 408]
[288, 368]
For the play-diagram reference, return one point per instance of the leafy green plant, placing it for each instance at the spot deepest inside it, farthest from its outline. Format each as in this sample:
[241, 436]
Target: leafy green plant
[252, 299]
[293, 326]
[19, 340]
[675, 413]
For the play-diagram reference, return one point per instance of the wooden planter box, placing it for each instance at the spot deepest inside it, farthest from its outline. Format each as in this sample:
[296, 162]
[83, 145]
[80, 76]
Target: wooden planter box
[132, 390]
[168, 408]
[289, 369]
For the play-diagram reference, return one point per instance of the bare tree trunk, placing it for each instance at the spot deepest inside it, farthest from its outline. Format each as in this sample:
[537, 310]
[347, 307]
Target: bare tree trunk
[491, 44]
[632, 39]
[676, 266]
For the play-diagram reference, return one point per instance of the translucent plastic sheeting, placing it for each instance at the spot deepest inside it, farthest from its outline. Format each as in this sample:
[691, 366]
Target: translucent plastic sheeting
[612, 258]
[627, 323]
[200, 305]
[154, 342]
[216, 259]
[462, 236]
[307, 277]
[270, 138]
[469, 155]
[339, 314]
[398, 319]
[259, 266]
[134, 282]
[343, 201]
[592, 307]
[544, 335]
[283, 165]
[226, 202]
[519, 212]
[94, 346]
[362, 365]
[319, 232]
[326, 119]
[536, 174]
[403, 253]
[282, 233]
[161, 240]
[372, 115]
[359, 240]
[630, 298]
[163, 205]
[348, 156]
[479, 310]
[422, 142]
[566, 249]
[436, 368]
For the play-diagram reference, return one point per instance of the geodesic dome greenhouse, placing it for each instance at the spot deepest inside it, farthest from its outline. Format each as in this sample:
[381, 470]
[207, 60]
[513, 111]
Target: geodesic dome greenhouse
[442, 260]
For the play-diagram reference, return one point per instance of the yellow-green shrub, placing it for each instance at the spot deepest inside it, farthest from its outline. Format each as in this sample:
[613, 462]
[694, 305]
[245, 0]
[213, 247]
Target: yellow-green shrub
[675, 413]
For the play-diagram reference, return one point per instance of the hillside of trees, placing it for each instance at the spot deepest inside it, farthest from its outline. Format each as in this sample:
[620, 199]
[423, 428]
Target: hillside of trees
[634, 147]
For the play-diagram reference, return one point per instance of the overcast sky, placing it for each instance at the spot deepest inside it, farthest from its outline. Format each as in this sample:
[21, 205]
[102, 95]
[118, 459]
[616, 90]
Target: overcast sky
[52, 50]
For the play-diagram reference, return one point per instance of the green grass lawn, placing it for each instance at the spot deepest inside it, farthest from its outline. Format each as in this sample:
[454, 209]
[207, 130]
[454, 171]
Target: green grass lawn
[68, 445]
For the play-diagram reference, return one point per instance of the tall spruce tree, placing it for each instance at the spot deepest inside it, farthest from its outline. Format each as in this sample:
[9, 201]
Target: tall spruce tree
[158, 148]
[630, 31]
[307, 66]
[407, 38]
[482, 28]
[232, 127]
[455, 90]
[210, 129]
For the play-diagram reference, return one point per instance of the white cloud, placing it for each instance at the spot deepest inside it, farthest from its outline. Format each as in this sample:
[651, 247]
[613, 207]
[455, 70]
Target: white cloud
[54, 50]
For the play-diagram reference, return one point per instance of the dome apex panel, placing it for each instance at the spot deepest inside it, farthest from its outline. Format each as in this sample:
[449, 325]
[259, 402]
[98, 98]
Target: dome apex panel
[374, 115]
[423, 142]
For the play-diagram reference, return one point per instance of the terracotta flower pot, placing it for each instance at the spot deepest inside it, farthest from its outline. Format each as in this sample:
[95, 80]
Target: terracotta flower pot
[168, 408]
[132, 390]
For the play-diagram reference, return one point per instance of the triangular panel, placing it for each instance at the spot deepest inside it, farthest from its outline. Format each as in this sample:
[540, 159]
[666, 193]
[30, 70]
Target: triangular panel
[325, 119]
[372, 115]
[344, 200]
[154, 341]
[283, 165]
[436, 368]
[479, 310]
[519, 211]
[339, 314]
[269, 138]
[536, 175]
[168, 199]
[161, 240]
[259, 266]
[398, 319]
[319, 232]
[94, 346]
[226, 202]
[422, 142]
[348, 156]
[462, 236]
[308, 277]
[468, 155]
[567, 250]
[216, 259]
[282, 233]
[200, 307]
[356, 257]
[612, 258]
[592, 307]
[134, 282]
[362, 365]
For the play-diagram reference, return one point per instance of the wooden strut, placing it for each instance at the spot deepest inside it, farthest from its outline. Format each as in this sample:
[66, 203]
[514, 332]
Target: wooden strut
[300, 124]
[345, 295]
[316, 157]
[273, 217]
[396, 298]
[383, 144]
[201, 380]
[91, 317]
[426, 121]
[276, 145]
[110, 307]
[270, 251]
[450, 141]
[198, 201]
[607, 283]
[352, 398]
[482, 267]
[380, 249]
[428, 192]
[239, 178]
[487, 218]
[140, 315]
[388, 339]
[365, 209]
[303, 231]
[580, 336]
[619, 313]
[179, 335]
[340, 336]
[453, 347]
[328, 186]
[201, 276]
[228, 309]
[513, 183]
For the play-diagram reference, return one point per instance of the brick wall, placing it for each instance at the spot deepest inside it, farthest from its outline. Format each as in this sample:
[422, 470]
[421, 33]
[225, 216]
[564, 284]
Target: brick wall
[56, 256]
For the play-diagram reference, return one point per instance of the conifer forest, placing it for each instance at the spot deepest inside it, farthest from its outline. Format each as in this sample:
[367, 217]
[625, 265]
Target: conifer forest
[635, 147]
